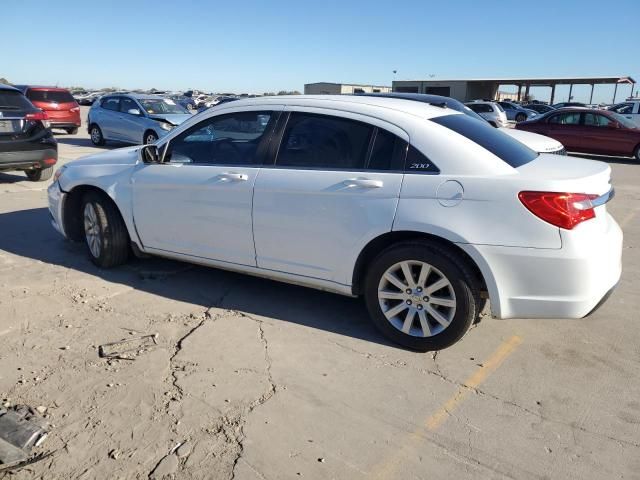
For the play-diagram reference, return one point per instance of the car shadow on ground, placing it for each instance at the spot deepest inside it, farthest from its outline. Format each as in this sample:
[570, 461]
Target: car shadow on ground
[605, 158]
[28, 233]
[13, 177]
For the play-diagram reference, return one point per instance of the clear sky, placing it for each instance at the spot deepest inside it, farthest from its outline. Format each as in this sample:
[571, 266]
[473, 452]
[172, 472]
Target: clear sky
[258, 46]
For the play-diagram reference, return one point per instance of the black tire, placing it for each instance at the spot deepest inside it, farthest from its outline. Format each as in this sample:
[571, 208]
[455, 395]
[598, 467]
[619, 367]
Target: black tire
[114, 238]
[40, 174]
[149, 137]
[636, 155]
[72, 131]
[464, 283]
[96, 135]
[521, 117]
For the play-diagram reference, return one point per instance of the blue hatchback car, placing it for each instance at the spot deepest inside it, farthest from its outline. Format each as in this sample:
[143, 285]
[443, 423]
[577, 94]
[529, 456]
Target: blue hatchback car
[133, 118]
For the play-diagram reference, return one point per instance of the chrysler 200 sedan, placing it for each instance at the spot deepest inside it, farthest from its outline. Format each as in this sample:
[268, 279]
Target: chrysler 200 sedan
[422, 210]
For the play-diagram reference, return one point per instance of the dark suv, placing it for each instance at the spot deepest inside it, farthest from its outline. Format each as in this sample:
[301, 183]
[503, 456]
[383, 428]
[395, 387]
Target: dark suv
[26, 141]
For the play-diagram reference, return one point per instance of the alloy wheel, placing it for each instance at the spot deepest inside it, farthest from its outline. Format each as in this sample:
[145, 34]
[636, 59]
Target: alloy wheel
[95, 135]
[416, 298]
[91, 230]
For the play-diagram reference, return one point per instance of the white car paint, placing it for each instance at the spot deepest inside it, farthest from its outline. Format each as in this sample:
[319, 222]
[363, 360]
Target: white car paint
[629, 109]
[309, 226]
[535, 141]
[490, 111]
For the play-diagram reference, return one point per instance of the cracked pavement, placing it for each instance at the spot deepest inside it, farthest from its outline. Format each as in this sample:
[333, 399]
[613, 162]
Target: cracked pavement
[252, 379]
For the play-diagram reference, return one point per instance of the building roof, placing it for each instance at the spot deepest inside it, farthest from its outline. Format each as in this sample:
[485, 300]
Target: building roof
[347, 83]
[533, 81]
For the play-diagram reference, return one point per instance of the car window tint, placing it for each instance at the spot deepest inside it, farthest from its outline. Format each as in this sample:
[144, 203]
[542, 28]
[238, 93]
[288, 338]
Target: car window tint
[386, 153]
[110, 103]
[233, 139]
[56, 96]
[492, 139]
[11, 100]
[323, 141]
[565, 118]
[417, 162]
[596, 120]
[127, 104]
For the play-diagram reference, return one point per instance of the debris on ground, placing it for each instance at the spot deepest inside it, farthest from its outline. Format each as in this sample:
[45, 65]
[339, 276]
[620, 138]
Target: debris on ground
[21, 429]
[128, 349]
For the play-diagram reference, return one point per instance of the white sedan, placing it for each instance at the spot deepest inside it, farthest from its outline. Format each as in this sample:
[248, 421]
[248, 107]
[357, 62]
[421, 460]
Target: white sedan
[421, 209]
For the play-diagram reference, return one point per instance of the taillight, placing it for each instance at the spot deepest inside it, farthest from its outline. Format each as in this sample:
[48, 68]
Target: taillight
[74, 109]
[36, 116]
[564, 210]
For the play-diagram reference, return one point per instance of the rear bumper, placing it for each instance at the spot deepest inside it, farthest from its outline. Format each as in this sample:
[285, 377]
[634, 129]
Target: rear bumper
[64, 124]
[570, 282]
[24, 160]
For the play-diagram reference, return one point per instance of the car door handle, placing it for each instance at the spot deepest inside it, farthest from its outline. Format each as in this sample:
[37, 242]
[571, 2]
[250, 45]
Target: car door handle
[363, 182]
[234, 177]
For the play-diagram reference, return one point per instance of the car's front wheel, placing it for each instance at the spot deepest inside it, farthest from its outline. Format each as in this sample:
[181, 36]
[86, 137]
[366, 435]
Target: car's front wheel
[105, 232]
[421, 295]
[637, 154]
[96, 135]
[150, 137]
[521, 117]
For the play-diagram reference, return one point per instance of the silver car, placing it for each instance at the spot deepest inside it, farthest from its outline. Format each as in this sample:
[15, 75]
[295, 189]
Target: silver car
[134, 118]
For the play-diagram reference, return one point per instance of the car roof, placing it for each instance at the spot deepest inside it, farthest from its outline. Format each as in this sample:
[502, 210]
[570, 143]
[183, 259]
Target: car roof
[351, 103]
[137, 96]
[42, 87]
[8, 87]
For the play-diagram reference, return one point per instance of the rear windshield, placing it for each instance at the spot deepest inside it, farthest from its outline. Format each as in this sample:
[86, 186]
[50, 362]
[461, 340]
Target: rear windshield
[50, 96]
[13, 101]
[500, 144]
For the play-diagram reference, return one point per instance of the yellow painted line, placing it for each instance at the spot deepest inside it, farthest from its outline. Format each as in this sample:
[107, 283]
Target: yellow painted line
[473, 382]
[433, 422]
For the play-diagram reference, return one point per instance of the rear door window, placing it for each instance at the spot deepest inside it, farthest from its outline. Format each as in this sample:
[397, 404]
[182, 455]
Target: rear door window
[492, 139]
[387, 152]
[56, 96]
[111, 103]
[324, 142]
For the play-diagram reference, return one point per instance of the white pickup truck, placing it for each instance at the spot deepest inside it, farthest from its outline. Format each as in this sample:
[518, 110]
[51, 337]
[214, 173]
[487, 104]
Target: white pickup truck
[629, 109]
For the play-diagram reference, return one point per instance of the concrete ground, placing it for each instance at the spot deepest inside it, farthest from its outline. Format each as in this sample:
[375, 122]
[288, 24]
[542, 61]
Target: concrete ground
[253, 379]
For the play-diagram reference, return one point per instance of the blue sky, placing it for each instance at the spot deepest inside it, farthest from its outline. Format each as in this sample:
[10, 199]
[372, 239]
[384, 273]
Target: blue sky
[257, 46]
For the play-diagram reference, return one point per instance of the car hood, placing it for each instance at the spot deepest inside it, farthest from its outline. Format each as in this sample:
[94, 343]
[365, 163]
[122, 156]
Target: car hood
[534, 141]
[173, 119]
[119, 156]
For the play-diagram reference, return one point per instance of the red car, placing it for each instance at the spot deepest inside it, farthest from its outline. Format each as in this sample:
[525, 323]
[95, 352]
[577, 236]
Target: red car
[588, 131]
[63, 111]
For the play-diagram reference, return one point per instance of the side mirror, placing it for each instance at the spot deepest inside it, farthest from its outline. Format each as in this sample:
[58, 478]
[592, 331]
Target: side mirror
[150, 154]
[134, 111]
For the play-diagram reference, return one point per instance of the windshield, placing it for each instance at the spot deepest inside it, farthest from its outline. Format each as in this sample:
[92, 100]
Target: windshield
[624, 121]
[162, 105]
[500, 144]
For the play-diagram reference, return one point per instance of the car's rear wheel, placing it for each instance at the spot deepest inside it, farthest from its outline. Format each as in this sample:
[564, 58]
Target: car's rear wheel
[149, 137]
[521, 117]
[106, 234]
[421, 296]
[96, 135]
[72, 131]
[40, 174]
[637, 154]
